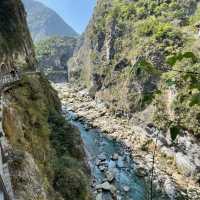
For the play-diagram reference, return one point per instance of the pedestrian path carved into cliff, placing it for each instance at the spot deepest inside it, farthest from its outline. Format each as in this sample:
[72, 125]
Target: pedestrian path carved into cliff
[6, 191]
[7, 80]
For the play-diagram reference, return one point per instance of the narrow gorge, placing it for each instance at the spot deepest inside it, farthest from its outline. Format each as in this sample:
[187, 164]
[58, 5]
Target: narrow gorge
[43, 151]
[113, 114]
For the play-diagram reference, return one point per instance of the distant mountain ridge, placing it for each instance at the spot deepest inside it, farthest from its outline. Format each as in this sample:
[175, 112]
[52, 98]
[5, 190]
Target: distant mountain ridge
[44, 22]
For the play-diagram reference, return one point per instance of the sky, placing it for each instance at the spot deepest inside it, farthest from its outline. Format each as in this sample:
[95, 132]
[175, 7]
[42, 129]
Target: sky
[76, 13]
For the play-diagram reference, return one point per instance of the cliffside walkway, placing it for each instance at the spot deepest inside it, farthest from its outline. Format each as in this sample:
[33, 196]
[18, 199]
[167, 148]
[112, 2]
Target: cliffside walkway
[7, 80]
[6, 192]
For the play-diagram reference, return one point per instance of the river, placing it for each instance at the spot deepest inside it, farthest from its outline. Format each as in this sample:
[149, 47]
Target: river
[111, 165]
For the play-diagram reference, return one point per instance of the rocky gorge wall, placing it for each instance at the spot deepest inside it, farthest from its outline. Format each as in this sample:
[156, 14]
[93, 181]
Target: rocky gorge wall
[15, 41]
[52, 55]
[142, 60]
[45, 153]
[125, 55]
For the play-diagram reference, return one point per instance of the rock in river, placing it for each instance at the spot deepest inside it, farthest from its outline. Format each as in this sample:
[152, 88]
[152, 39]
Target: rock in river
[126, 188]
[110, 176]
[99, 196]
[107, 186]
[115, 156]
[102, 168]
[102, 157]
[140, 171]
[120, 162]
[170, 189]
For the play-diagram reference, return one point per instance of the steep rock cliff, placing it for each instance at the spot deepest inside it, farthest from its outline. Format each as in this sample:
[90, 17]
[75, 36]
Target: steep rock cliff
[45, 154]
[15, 43]
[135, 54]
[52, 55]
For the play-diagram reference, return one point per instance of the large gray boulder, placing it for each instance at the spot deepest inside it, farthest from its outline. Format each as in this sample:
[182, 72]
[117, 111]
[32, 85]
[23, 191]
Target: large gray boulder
[185, 165]
[170, 189]
[107, 187]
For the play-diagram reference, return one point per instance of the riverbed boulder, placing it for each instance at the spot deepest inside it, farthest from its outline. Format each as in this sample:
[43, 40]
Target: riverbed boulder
[107, 187]
[170, 189]
[110, 176]
[126, 188]
[120, 162]
[185, 165]
[98, 162]
[99, 196]
[83, 93]
[112, 164]
[102, 157]
[102, 168]
[140, 171]
[115, 156]
[119, 197]
[169, 152]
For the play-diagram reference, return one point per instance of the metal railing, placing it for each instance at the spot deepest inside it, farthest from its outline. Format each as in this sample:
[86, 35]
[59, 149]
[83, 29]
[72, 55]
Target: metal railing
[4, 190]
[6, 79]
[5, 182]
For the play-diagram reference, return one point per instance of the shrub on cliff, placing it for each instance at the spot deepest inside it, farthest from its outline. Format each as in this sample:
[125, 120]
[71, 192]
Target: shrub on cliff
[54, 145]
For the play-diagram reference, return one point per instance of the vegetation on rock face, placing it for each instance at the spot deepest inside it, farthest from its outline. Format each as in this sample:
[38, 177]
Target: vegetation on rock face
[53, 53]
[34, 124]
[186, 100]
[15, 40]
[46, 158]
[11, 27]
[134, 52]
